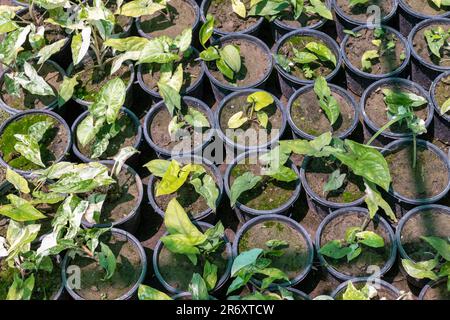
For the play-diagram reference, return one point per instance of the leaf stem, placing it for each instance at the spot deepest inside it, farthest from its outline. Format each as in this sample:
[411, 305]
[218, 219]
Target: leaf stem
[387, 125]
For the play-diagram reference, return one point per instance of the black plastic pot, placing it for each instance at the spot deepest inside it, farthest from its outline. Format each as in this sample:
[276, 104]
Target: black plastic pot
[51, 106]
[203, 226]
[357, 80]
[293, 224]
[441, 122]
[297, 133]
[419, 283]
[253, 30]
[194, 27]
[280, 28]
[370, 128]
[424, 72]
[194, 90]
[401, 204]
[130, 223]
[322, 206]
[220, 90]
[232, 144]
[346, 22]
[31, 112]
[408, 18]
[385, 285]
[165, 153]
[289, 83]
[132, 293]
[195, 159]
[245, 213]
[129, 86]
[128, 112]
[380, 221]
[438, 283]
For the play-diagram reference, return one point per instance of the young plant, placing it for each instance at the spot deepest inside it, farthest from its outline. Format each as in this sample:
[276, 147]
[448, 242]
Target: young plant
[282, 294]
[101, 124]
[438, 267]
[327, 102]
[437, 41]
[367, 292]
[227, 58]
[308, 59]
[184, 238]
[355, 3]
[256, 262]
[385, 43]
[400, 109]
[253, 111]
[273, 167]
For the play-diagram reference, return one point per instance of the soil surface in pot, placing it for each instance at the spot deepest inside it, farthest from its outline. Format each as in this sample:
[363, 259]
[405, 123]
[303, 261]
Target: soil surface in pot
[442, 92]
[388, 62]
[335, 230]
[295, 257]
[383, 293]
[226, 19]
[309, 117]
[439, 292]
[183, 16]
[375, 108]
[255, 63]
[123, 23]
[426, 7]
[91, 79]
[306, 19]
[268, 194]
[428, 179]
[52, 146]
[121, 197]
[359, 12]
[191, 73]
[419, 44]
[159, 132]
[127, 272]
[125, 138]
[432, 222]
[250, 129]
[193, 203]
[317, 174]
[299, 43]
[27, 100]
[52, 32]
[177, 270]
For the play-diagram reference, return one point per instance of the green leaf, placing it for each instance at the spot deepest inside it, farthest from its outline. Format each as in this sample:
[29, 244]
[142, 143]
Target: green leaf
[107, 261]
[171, 97]
[354, 253]
[149, 293]
[245, 259]
[436, 38]
[87, 129]
[174, 177]
[21, 289]
[29, 148]
[224, 69]
[157, 167]
[110, 98]
[80, 45]
[183, 41]
[245, 182]
[315, 148]
[17, 181]
[321, 9]
[327, 102]
[268, 8]
[420, 270]
[210, 275]
[66, 89]
[374, 200]
[127, 44]
[206, 30]
[273, 274]
[11, 44]
[207, 189]
[20, 236]
[403, 98]
[196, 118]
[239, 8]
[334, 249]
[322, 51]
[260, 100]
[198, 288]
[352, 33]
[303, 57]
[284, 174]
[276, 244]
[298, 6]
[154, 52]
[46, 52]
[335, 181]
[353, 3]
[138, 8]
[263, 118]
[370, 239]
[210, 54]
[121, 157]
[22, 211]
[237, 120]
[284, 62]
[351, 293]
[33, 82]
[441, 245]
[366, 59]
[231, 56]
[445, 107]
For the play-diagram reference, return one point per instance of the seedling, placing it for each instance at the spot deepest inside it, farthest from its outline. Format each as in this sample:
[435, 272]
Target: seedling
[327, 102]
[173, 177]
[308, 59]
[257, 262]
[367, 292]
[355, 3]
[385, 43]
[400, 108]
[437, 41]
[227, 58]
[257, 101]
[438, 267]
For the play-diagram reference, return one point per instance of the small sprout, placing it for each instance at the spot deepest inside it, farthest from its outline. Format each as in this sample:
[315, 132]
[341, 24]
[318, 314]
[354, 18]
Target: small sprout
[257, 101]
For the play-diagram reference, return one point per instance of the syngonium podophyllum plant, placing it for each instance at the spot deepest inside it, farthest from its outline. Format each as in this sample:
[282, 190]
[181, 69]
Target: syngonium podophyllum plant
[400, 109]
[24, 51]
[174, 176]
[273, 9]
[363, 160]
[438, 267]
[101, 124]
[257, 263]
[437, 39]
[185, 238]
[227, 58]
[253, 111]
[308, 59]
[327, 102]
